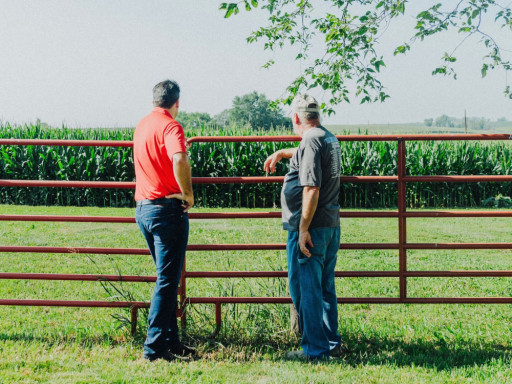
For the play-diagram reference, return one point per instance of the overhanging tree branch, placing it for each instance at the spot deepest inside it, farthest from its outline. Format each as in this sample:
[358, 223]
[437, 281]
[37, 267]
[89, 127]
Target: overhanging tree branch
[350, 67]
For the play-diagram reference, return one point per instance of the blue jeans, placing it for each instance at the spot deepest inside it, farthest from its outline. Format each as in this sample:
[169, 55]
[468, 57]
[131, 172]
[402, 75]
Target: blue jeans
[165, 227]
[312, 290]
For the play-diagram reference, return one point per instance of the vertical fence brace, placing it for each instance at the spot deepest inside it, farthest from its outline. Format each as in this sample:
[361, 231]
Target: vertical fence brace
[218, 317]
[134, 310]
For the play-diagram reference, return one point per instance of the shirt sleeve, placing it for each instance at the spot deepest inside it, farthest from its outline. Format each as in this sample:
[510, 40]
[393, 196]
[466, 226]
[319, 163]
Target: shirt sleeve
[310, 166]
[174, 139]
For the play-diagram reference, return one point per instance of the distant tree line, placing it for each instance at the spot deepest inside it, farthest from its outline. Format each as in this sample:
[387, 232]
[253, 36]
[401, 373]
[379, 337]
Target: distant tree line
[473, 123]
[253, 109]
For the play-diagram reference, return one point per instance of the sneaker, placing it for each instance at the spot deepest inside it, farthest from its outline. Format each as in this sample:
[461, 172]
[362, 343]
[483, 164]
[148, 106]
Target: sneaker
[338, 351]
[300, 355]
[166, 356]
[180, 349]
[296, 355]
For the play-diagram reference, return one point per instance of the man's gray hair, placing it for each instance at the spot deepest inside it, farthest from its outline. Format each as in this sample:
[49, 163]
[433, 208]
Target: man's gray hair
[309, 116]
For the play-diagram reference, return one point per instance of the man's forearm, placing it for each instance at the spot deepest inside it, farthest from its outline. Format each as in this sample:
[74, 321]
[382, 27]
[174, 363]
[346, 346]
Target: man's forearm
[309, 204]
[273, 159]
[182, 173]
[287, 153]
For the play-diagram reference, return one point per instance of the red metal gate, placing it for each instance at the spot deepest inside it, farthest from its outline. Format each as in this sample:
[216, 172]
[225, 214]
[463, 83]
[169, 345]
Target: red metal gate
[401, 214]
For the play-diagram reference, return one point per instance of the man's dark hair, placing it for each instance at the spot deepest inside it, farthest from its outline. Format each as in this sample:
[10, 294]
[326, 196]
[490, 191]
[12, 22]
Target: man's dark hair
[165, 94]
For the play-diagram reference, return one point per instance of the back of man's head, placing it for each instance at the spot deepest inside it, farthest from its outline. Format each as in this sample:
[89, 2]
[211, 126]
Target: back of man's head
[165, 94]
[307, 108]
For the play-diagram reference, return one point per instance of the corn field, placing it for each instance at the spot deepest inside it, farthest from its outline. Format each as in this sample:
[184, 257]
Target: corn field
[246, 159]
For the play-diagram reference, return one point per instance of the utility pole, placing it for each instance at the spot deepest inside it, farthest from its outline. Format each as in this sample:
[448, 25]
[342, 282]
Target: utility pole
[465, 122]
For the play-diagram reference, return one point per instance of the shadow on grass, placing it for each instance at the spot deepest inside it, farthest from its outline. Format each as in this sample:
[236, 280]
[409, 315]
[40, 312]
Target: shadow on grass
[439, 354]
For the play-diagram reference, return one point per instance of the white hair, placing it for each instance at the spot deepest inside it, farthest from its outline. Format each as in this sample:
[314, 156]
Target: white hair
[309, 116]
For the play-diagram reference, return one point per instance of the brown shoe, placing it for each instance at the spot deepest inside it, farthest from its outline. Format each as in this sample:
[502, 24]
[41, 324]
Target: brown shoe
[180, 349]
[338, 351]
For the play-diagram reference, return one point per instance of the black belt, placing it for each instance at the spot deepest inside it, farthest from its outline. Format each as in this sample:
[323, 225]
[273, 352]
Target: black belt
[162, 200]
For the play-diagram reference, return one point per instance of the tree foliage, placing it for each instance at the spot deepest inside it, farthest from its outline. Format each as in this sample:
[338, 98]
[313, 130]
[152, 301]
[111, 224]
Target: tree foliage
[193, 119]
[254, 109]
[444, 121]
[350, 31]
[472, 123]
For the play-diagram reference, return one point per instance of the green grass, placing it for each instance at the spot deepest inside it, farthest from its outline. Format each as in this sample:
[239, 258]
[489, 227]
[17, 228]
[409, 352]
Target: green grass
[388, 343]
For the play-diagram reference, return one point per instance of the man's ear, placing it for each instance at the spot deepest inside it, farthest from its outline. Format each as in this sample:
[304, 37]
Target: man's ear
[178, 103]
[295, 118]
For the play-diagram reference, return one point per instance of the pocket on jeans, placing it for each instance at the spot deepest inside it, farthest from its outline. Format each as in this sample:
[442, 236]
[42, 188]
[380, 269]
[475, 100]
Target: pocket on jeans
[302, 258]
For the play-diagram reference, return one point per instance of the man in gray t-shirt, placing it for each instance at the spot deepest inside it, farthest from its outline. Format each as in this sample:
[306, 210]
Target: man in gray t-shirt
[309, 200]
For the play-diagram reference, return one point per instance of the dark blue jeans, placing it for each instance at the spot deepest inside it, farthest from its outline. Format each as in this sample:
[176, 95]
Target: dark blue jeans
[312, 290]
[165, 227]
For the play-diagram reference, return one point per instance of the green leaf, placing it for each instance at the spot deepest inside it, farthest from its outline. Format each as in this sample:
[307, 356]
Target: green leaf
[439, 71]
[331, 35]
[448, 58]
[254, 3]
[232, 8]
[484, 70]
[379, 64]
[402, 49]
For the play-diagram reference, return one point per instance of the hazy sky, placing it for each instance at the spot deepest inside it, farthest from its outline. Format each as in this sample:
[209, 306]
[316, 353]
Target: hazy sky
[93, 63]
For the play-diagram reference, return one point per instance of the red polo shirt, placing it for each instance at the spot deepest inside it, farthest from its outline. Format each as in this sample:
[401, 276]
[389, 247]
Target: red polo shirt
[156, 139]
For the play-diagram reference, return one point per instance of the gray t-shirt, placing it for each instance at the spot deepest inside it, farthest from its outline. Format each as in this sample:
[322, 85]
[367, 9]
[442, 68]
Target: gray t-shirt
[316, 163]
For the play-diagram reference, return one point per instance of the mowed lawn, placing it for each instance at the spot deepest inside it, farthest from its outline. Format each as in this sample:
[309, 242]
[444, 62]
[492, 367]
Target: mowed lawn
[387, 343]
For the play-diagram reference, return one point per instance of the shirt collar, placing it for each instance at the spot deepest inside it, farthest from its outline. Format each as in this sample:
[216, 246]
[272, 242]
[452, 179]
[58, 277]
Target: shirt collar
[162, 111]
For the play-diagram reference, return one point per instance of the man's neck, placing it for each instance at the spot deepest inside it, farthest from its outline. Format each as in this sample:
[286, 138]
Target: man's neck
[306, 127]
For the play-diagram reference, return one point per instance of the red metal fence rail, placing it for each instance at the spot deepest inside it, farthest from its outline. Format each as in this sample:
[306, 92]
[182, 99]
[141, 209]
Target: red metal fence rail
[401, 214]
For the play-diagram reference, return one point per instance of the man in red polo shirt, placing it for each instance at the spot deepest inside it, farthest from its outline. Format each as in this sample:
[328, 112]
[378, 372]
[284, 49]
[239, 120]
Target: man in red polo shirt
[163, 192]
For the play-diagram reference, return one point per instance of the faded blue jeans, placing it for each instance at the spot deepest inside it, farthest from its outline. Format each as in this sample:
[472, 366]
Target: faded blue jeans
[312, 290]
[165, 227]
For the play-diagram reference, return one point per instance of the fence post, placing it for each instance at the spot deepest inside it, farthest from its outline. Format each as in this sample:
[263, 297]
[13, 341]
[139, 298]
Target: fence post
[402, 224]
